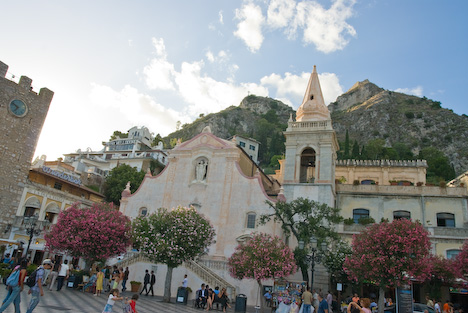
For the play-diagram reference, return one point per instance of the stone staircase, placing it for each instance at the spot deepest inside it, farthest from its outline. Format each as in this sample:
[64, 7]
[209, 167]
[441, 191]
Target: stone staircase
[199, 269]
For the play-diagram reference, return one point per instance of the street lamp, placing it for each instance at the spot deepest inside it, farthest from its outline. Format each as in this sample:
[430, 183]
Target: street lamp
[31, 224]
[313, 258]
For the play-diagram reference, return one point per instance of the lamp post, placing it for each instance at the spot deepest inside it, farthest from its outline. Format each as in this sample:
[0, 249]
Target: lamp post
[313, 258]
[31, 224]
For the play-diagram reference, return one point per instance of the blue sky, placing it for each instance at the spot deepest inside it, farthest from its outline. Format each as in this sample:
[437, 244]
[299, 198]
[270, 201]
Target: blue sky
[116, 64]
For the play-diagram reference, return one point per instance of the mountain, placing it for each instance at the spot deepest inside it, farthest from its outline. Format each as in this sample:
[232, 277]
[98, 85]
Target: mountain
[369, 112]
[366, 111]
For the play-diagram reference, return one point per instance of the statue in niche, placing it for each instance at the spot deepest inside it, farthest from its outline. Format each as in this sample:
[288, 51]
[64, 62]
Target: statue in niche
[200, 171]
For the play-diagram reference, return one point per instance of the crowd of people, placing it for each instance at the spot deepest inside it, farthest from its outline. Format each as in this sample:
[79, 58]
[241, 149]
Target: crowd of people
[206, 297]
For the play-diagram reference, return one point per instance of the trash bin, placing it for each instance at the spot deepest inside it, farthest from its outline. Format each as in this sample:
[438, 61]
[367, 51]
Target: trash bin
[182, 295]
[71, 281]
[241, 303]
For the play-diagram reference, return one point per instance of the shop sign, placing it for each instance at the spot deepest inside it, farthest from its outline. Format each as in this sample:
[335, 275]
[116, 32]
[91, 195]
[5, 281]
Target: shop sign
[61, 175]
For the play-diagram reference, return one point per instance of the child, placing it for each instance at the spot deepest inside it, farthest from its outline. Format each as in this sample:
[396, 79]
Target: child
[132, 303]
[114, 296]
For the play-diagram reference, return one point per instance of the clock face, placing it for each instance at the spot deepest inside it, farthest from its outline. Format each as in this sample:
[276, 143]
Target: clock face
[18, 108]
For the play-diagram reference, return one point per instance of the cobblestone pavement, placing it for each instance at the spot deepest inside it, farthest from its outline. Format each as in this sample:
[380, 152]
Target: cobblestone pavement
[73, 301]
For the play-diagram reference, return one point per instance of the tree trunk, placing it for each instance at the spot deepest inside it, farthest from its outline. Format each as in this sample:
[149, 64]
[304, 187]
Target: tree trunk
[381, 303]
[259, 293]
[167, 285]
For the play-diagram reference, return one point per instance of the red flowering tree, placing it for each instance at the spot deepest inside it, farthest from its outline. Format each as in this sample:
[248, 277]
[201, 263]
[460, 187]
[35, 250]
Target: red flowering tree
[462, 260]
[172, 237]
[93, 233]
[389, 254]
[262, 257]
[443, 271]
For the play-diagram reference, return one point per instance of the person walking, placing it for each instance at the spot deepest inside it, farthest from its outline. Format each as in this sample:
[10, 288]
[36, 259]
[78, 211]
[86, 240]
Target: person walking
[307, 299]
[36, 291]
[323, 305]
[105, 282]
[125, 278]
[54, 273]
[14, 289]
[152, 282]
[63, 274]
[146, 281]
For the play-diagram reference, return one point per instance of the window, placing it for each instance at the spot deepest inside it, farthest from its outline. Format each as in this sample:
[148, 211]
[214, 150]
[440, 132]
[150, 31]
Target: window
[251, 220]
[401, 214]
[360, 213]
[28, 211]
[58, 186]
[445, 220]
[49, 217]
[452, 254]
[368, 182]
[143, 211]
[242, 144]
[252, 147]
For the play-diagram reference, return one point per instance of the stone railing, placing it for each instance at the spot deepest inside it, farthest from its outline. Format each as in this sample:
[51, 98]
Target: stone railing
[450, 232]
[382, 163]
[214, 264]
[404, 190]
[131, 258]
[309, 125]
[210, 278]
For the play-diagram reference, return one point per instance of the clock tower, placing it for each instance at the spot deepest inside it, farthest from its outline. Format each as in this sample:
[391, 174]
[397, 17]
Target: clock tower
[22, 115]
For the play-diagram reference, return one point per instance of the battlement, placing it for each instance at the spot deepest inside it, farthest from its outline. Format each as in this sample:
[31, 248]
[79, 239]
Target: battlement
[382, 163]
[26, 83]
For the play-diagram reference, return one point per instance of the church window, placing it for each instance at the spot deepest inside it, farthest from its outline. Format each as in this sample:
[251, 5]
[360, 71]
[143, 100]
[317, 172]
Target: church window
[452, 254]
[401, 214]
[143, 212]
[251, 217]
[360, 213]
[445, 220]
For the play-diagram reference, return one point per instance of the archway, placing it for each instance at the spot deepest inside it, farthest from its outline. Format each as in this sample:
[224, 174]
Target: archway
[307, 171]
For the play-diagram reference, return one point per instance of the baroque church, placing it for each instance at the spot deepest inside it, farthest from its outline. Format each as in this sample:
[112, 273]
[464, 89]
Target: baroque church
[219, 179]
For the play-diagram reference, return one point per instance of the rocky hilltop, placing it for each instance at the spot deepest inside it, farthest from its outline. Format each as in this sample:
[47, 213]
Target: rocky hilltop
[366, 111]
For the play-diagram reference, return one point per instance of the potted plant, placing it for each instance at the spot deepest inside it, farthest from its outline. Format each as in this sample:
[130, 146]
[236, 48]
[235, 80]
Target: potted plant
[135, 286]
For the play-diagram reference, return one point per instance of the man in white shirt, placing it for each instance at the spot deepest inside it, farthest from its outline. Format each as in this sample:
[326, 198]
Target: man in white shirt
[63, 274]
[437, 307]
[185, 282]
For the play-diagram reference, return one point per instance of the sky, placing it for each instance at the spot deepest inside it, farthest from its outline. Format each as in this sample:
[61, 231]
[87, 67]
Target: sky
[117, 64]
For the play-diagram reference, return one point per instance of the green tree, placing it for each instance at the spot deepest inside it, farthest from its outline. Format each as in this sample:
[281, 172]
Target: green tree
[355, 151]
[117, 180]
[334, 260]
[156, 140]
[172, 237]
[404, 152]
[375, 149]
[119, 134]
[304, 218]
[439, 167]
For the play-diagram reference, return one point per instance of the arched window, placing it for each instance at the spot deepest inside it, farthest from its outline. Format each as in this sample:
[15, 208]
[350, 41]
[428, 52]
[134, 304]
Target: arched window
[360, 213]
[32, 206]
[143, 211]
[445, 220]
[401, 214]
[251, 219]
[307, 172]
[452, 253]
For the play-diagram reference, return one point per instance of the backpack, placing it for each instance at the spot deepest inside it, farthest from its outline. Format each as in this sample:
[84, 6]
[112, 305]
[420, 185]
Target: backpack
[31, 281]
[13, 279]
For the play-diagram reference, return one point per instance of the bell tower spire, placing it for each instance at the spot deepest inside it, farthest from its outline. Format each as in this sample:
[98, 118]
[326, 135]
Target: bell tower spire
[313, 106]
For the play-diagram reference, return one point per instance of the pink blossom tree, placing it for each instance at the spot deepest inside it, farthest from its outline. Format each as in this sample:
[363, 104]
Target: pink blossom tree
[172, 237]
[443, 271]
[262, 257]
[390, 254]
[93, 233]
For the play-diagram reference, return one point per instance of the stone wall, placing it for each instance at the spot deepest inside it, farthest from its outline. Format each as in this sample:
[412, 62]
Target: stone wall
[19, 134]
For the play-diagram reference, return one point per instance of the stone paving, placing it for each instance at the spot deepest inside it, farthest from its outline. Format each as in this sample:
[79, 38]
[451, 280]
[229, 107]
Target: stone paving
[73, 301]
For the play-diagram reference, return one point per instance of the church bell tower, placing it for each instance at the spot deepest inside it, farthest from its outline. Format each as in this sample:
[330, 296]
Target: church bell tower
[311, 145]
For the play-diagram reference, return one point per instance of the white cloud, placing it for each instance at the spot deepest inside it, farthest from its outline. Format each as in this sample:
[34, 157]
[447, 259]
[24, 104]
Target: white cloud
[210, 57]
[206, 95]
[416, 91]
[220, 19]
[130, 108]
[159, 73]
[280, 12]
[326, 29]
[249, 28]
[294, 86]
